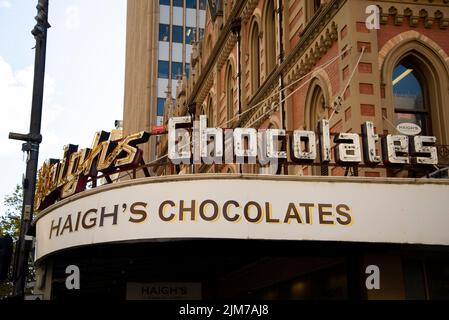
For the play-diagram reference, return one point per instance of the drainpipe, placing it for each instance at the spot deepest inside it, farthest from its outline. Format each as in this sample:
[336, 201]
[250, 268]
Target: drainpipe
[235, 28]
[280, 60]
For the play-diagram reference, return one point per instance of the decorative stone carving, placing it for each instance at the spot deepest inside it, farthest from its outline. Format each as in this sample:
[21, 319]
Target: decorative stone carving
[429, 20]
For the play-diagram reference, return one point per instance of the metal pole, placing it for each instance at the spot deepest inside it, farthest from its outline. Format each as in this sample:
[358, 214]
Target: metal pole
[280, 60]
[31, 146]
[236, 26]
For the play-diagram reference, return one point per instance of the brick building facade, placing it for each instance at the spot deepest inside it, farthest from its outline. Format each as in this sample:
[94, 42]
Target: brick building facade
[306, 60]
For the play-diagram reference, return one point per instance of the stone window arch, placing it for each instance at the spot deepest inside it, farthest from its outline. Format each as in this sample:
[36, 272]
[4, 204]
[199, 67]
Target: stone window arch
[229, 91]
[269, 17]
[317, 104]
[417, 67]
[210, 111]
[316, 108]
[254, 55]
[411, 95]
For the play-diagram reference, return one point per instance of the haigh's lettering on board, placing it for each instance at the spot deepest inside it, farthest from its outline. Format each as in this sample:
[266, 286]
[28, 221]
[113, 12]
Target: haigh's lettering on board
[192, 142]
[211, 211]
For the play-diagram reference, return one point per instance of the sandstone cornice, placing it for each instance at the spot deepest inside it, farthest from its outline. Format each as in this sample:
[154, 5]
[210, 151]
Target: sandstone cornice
[429, 15]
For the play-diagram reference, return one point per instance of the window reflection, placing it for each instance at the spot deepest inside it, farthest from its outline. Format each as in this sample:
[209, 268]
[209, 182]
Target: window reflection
[191, 4]
[164, 32]
[187, 70]
[409, 96]
[162, 70]
[160, 106]
[178, 3]
[189, 35]
[177, 34]
[176, 70]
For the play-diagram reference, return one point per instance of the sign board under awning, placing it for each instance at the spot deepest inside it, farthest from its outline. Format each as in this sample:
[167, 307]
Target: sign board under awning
[163, 291]
[250, 207]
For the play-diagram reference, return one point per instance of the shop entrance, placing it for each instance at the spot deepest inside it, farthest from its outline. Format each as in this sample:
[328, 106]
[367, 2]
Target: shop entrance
[245, 269]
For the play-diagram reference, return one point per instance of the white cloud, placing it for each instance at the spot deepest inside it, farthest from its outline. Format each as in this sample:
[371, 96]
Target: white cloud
[5, 4]
[16, 89]
[72, 16]
[83, 85]
[15, 98]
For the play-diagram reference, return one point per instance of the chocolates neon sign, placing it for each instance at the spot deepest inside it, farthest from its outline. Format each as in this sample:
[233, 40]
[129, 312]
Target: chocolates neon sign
[192, 142]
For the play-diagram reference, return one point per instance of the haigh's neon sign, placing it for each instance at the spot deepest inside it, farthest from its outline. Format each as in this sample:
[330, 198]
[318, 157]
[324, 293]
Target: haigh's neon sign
[194, 143]
[59, 179]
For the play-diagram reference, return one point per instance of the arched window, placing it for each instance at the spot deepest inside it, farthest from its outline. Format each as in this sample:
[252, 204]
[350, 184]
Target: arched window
[210, 114]
[410, 95]
[270, 36]
[229, 80]
[416, 77]
[317, 101]
[255, 57]
[316, 104]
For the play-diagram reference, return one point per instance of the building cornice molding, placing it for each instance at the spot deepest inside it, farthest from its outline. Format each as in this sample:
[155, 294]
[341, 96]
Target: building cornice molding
[430, 15]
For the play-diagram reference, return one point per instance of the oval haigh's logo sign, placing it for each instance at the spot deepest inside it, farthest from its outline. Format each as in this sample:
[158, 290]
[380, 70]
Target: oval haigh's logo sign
[408, 128]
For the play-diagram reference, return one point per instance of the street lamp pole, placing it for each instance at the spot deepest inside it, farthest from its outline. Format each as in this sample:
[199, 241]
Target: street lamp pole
[31, 147]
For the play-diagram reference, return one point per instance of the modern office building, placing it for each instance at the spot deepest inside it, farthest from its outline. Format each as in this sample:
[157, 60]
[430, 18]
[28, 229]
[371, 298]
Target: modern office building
[159, 41]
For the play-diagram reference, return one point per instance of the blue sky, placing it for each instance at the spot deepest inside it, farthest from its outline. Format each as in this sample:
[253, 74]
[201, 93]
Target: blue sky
[84, 77]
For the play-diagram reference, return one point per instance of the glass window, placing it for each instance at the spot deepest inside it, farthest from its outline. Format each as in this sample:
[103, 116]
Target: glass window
[202, 4]
[409, 96]
[162, 69]
[164, 2]
[407, 89]
[164, 32]
[210, 115]
[190, 33]
[178, 3]
[201, 33]
[229, 93]
[255, 59]
[191, 4]
[177, 34]
[187, 70]
[160, 106]
[176, 69]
